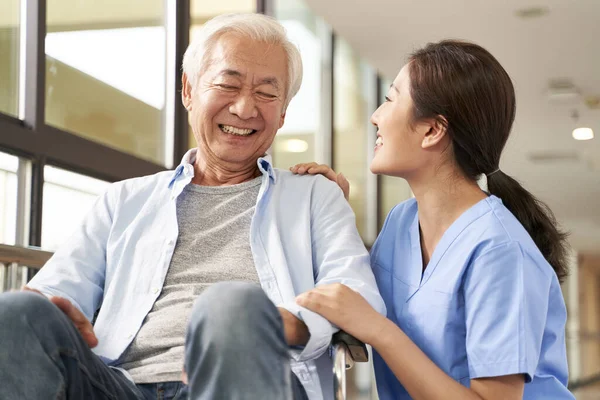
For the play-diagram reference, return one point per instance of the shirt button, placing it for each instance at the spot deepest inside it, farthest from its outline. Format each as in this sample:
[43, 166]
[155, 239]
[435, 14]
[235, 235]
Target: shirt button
[130, 337]
[171, 242]
[155, 290]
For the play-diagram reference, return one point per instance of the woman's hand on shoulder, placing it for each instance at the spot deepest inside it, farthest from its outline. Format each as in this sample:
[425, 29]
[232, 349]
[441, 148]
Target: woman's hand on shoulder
[322, 169]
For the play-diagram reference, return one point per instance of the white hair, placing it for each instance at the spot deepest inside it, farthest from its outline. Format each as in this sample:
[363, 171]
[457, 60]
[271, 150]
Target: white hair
[258, 27]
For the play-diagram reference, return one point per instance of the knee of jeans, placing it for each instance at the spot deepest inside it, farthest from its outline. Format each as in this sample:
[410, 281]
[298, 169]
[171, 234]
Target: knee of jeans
[15, 306]
[231, 304]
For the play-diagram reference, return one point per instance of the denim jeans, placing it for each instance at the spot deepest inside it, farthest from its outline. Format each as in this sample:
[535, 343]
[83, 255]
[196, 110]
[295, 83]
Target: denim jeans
[235, 349]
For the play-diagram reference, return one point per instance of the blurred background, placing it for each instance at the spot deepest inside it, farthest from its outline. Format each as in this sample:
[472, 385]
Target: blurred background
[89, 94]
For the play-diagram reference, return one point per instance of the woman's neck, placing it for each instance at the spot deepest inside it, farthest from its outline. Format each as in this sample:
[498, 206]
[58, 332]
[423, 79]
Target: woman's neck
[442, 198]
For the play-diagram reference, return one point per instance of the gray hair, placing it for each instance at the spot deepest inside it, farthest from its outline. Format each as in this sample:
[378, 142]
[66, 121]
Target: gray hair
[254, 26]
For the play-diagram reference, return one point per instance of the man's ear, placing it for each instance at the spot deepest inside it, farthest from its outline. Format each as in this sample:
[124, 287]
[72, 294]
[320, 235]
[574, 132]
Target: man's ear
[186, 92]
[435, 132]
[281, 120]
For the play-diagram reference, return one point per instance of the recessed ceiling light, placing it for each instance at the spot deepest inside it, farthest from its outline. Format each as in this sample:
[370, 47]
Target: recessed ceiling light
[583, 134]
[532, 12]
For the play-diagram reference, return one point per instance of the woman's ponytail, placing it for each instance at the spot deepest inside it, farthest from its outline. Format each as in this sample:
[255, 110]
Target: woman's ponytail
[536, 218]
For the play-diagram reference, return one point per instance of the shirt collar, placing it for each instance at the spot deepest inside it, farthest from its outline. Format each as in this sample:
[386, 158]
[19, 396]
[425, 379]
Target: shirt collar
[184, 172]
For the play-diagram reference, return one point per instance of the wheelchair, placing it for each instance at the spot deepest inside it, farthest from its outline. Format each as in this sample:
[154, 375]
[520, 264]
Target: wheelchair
[346, 350]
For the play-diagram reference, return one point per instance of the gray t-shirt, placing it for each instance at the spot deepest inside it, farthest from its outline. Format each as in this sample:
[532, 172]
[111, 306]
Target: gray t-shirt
[213, 246]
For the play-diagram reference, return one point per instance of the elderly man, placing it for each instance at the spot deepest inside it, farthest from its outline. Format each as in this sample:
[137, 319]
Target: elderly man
[225, 231]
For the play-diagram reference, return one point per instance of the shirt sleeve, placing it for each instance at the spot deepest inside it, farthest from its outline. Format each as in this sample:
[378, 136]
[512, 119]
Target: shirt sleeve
[77, 270]
[506, 305]
[339, 256]
[320, 332]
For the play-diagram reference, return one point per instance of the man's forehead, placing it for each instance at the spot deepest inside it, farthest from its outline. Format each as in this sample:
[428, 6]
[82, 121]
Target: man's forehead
[239, 59]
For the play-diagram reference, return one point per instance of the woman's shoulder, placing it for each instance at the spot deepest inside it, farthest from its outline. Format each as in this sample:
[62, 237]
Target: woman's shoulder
[396, 226]
[406, 210]
[502, 230]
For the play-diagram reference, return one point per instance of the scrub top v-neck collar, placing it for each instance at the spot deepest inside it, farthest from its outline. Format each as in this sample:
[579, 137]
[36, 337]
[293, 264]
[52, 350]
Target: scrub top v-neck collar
[418, 277]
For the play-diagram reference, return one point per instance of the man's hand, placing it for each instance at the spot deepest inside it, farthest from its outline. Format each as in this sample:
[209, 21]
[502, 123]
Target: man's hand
[82, 324]
[296, 331]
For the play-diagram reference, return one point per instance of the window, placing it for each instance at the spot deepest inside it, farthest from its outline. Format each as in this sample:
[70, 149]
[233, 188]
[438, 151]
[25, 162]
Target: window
[67, 199]
[351, 93]
[296, 141]
[9, 59]
[105, 73]
[9, 166]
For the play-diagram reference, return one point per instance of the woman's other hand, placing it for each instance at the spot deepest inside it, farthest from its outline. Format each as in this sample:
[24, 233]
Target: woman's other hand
[344, 308]
[314, 169]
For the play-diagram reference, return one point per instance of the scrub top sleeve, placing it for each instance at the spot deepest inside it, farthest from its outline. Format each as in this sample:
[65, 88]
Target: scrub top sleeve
[506, 304]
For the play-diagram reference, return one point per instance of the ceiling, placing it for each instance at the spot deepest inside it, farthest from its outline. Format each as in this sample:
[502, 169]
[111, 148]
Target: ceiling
[561, 44]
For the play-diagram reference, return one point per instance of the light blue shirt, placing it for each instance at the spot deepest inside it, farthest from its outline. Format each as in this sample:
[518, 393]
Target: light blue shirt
[488, 303]
[302, 234]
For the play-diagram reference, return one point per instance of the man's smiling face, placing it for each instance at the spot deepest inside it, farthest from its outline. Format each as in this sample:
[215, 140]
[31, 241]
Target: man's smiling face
[237, 104]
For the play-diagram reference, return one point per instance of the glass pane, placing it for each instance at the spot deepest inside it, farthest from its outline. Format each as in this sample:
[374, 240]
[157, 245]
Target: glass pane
[67, 199]
[8, 198]
[350, 128]
[201, 11]
[105, 73]
[295, 141]
[9, 57]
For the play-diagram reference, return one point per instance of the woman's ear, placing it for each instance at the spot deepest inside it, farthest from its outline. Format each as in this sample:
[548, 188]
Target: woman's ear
[436, 130]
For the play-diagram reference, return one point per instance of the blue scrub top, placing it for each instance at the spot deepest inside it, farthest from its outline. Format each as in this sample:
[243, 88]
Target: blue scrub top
[488, 303]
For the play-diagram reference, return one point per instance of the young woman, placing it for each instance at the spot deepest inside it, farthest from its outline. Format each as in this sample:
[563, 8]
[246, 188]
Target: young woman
[470, 278]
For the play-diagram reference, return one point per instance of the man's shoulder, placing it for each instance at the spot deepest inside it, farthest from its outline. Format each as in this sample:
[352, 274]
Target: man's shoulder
[305, 181]
[309, 185]
[142, 185]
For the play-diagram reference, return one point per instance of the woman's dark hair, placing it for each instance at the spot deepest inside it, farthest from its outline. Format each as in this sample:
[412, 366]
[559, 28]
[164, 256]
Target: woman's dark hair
[465, 88]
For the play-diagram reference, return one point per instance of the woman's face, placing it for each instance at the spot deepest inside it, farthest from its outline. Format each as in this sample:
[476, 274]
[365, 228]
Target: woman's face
[399, 149]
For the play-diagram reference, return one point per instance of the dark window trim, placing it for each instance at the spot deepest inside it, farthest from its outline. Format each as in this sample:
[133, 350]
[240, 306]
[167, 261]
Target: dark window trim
[72, 152]
[182, 38]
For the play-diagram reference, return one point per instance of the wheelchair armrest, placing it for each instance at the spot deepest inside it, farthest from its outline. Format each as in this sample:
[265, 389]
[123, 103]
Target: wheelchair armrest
[358, 350]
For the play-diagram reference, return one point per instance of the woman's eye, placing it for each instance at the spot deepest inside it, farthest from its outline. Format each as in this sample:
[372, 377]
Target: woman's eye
[387, 99]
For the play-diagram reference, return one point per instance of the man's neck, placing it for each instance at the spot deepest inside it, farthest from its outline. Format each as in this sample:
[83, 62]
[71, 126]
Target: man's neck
[213, 174]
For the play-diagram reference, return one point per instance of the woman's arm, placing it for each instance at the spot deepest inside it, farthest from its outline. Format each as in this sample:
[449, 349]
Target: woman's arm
[417, 373]
[424, 380]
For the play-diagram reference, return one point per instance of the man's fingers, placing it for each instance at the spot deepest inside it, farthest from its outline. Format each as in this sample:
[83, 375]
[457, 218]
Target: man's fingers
[82, 324]
[69, 309]
[89, 337]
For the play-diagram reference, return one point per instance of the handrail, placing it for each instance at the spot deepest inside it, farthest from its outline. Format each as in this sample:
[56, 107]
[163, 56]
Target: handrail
[584, 382]
[31, 257]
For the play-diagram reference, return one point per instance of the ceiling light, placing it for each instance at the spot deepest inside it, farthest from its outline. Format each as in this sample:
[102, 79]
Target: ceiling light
[532, 12]
[296, 146]
[583, 134]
